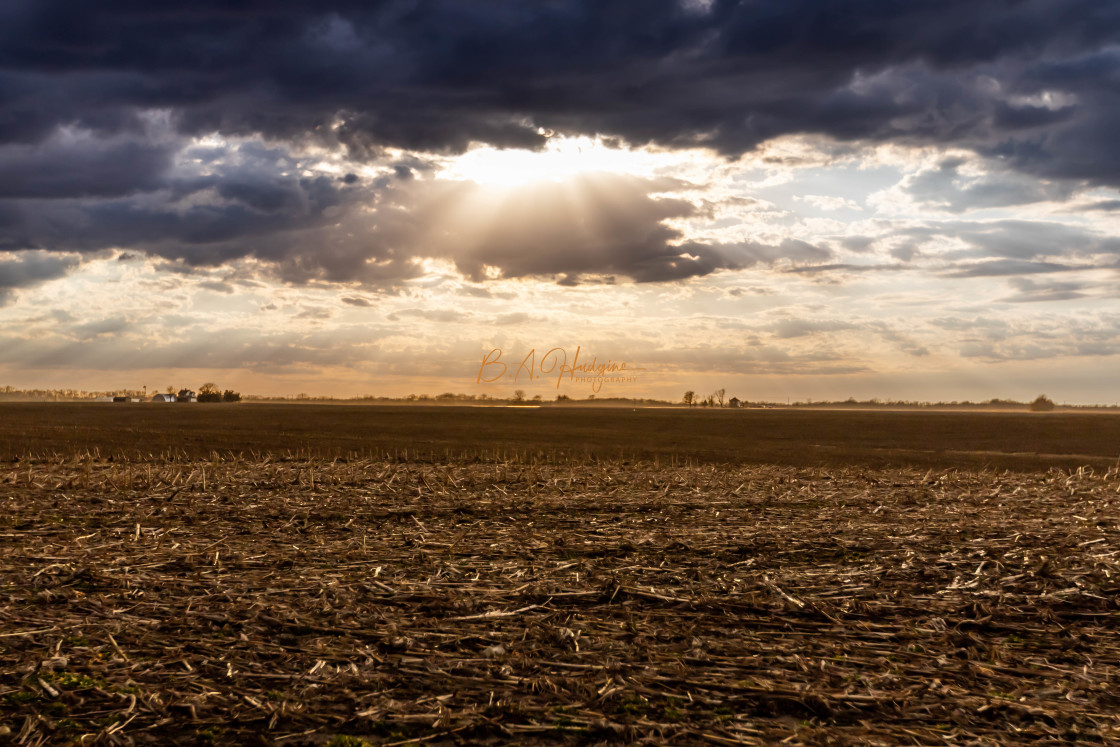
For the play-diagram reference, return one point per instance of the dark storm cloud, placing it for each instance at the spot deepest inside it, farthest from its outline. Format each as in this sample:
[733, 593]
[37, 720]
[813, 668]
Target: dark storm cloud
[201, 233]
[98, 105]
[211, 207]
[1083, 146]
[82, 167]
[437, 74]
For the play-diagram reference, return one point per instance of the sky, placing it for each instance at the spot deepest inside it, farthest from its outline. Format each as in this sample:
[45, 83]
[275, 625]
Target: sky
[784, 199]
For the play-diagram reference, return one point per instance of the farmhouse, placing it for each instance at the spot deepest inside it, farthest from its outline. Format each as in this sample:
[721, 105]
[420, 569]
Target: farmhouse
[186, 395]
[733, 402]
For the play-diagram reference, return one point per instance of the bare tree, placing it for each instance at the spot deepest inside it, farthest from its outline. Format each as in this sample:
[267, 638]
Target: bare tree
[519, 395]
[1042, 403]
[689, 398]
[209, 392]
[719, 395]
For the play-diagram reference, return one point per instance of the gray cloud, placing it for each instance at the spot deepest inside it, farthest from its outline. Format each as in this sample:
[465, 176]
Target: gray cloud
[999, 267]
[90, 330]
[317, 313]
[355, 301]
[1000, 247]
[27, 269]
[945, 188]
[517, 317]
[1032, 291]
[842, 267]
[194, 349]
[988, 327]
[904, 342]
[431, 315]
[217, 286]
[1107, 205]
[1047, 336]
[750, 290]
[787, 328]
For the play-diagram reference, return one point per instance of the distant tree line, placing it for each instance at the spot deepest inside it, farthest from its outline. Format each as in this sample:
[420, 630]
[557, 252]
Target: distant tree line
[718, 398]
[1042, 403]
[209, 392]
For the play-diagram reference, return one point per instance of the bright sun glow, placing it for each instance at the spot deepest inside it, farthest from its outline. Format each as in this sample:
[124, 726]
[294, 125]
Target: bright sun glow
[562, 158]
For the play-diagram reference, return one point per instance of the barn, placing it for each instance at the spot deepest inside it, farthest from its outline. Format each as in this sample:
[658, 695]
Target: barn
[163, 398]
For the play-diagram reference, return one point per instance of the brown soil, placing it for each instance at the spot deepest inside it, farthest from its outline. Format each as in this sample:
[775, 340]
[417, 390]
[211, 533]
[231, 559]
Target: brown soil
[291, 601]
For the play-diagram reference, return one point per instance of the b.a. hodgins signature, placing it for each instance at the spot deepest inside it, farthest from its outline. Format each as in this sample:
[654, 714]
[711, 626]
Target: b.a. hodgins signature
[555, 361]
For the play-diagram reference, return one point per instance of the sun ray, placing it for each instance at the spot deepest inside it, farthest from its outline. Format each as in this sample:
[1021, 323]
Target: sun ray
[561, 158]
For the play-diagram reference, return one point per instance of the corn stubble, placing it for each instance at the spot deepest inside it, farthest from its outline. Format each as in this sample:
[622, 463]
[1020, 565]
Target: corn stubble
[386, 601]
